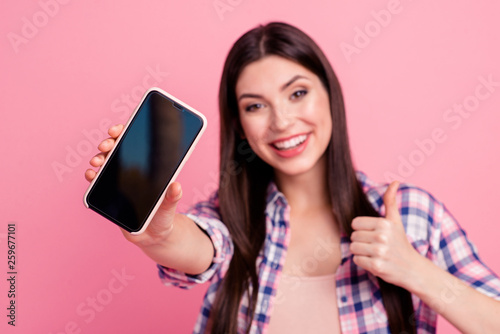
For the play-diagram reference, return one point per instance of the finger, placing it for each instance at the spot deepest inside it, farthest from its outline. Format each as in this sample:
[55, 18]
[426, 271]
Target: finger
[90, 174]
[363, 236]
[368, 263]
[362, 261]
[115, 130]
[364, 223]
[374, 250]
[361, 248]
[371, 237]
[391, 206]
[97, 160]
[106, 145]
[174, 192]
[166, 212]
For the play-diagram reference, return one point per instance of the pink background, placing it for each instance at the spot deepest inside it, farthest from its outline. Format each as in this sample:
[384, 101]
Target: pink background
[65, 67]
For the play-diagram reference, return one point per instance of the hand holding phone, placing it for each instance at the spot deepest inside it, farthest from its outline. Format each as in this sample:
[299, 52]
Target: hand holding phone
[152, 241]
[148, 154]
[105, 146]
[163, 220]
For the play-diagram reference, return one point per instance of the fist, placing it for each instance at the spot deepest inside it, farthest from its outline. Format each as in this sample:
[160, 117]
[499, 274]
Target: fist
[380, 245]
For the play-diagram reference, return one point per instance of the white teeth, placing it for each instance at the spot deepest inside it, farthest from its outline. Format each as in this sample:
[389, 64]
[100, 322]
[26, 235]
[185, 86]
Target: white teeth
[290, 143]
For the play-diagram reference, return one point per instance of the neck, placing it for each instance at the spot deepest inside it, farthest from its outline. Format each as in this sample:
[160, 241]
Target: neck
[308, 190]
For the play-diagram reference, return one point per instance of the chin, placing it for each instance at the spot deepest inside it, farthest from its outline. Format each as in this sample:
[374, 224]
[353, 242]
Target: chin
[296, 170]
[304, 165]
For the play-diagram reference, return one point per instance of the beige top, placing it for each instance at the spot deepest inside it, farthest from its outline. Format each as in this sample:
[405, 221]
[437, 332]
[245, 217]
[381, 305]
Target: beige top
[305, 305]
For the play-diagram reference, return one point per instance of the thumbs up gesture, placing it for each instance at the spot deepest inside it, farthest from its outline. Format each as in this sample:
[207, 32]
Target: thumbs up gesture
[380, 245]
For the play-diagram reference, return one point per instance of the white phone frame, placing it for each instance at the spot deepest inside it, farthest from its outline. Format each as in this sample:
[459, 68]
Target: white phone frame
[184, 159]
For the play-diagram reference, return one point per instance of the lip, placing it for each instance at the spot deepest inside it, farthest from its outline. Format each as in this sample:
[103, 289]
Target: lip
[291, 152]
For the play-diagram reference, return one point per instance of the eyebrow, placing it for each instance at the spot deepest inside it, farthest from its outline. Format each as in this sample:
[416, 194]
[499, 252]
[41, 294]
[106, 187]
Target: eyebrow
[283, 87]
[292, 80]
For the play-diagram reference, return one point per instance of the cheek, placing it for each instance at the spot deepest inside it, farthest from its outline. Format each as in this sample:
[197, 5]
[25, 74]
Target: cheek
[318, 111]
[254, 129]
[327, 124]
[320, 115]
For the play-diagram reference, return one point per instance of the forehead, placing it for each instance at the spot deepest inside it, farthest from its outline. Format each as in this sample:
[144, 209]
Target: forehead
[269, 74]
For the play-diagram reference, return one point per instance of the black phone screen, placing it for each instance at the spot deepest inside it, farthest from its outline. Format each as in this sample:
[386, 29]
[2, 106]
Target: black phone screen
[144, 161]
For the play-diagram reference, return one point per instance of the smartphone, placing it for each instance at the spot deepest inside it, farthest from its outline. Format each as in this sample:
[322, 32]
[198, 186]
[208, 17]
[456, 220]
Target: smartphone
[148, 155]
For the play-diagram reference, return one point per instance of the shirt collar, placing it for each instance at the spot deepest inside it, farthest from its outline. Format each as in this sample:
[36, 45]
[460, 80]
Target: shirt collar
[274, 196]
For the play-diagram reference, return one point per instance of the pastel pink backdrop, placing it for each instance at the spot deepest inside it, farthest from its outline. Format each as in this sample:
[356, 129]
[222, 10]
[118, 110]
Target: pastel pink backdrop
[66, 65]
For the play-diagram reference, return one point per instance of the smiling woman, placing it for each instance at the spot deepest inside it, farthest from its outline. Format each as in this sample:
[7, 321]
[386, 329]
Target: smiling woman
[268, 68]
[298, 220]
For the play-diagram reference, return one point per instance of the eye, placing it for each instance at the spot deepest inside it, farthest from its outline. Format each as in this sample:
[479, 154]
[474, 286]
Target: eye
[298, 94]
[254, 107]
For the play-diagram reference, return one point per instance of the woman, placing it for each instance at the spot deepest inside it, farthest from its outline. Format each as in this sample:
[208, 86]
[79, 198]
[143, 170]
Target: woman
[295, 240]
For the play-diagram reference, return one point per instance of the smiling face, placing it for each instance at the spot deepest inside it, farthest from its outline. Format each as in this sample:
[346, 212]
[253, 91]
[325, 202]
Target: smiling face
[285, 115]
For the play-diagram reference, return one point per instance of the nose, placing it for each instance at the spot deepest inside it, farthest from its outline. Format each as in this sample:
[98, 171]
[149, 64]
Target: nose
[282, 118]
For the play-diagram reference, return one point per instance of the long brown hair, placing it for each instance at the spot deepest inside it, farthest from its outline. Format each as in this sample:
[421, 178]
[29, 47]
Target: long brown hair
[245, 177]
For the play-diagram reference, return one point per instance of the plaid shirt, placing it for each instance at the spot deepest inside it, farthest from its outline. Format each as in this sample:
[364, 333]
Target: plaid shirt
[429, 226]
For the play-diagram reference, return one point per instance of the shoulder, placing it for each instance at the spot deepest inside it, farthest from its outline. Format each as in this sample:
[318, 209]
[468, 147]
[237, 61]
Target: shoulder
[419, 209]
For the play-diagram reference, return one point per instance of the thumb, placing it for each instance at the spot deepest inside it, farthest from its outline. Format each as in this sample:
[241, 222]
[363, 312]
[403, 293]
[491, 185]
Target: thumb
[391, 206]
[166, 212]
[163, 218]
